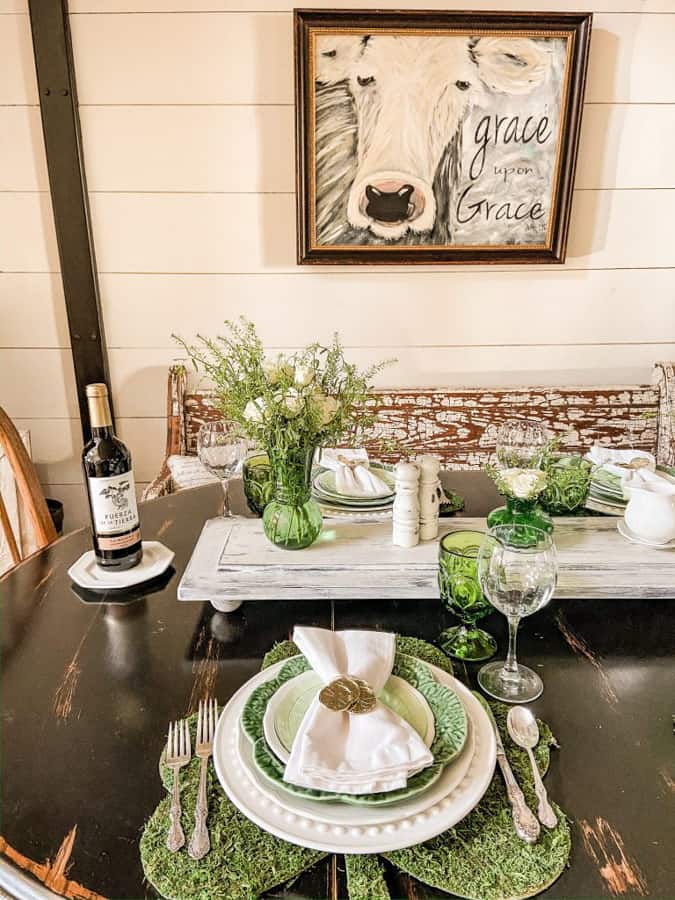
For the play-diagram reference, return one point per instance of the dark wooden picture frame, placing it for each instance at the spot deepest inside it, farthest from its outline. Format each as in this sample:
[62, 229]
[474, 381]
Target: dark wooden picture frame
[362, 202]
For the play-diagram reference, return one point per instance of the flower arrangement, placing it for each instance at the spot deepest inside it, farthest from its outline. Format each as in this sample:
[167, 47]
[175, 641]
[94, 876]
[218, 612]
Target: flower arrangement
[558, 486]
[289, 406]
[522, 489]
[311, 397]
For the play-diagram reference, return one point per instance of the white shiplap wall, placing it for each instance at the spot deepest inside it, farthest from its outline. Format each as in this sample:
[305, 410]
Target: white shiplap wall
[187, 118]
[37, 386]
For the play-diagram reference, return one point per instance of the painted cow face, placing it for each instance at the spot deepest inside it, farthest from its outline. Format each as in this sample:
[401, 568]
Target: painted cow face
[411, 95]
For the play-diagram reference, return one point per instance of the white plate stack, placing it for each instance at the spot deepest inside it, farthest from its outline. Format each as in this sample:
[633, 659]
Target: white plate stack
[344, 827]
[335, 504]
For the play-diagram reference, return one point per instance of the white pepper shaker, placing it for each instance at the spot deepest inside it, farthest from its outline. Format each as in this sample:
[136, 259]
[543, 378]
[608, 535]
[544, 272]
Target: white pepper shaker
[429, 494]
[406, 514]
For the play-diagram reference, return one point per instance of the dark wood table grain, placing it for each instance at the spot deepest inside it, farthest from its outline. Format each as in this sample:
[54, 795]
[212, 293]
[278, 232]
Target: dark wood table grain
[89, 687]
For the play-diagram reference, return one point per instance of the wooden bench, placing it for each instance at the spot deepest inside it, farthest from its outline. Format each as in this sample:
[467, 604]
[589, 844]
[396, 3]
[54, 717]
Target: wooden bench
[460, 424]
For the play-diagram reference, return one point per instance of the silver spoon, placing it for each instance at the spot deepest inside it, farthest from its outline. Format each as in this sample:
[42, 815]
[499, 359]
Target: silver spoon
[523, 729]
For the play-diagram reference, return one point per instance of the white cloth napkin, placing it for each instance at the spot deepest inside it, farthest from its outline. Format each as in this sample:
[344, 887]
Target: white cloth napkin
[618, 463]
[341, 751]
[353, 476]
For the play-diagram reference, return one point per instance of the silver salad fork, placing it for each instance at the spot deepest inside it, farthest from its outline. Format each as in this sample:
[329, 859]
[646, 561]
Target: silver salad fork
[178, 753]
[200, 843]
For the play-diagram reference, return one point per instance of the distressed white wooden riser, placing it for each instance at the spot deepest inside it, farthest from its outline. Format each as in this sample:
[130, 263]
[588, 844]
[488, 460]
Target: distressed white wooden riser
[356, 560]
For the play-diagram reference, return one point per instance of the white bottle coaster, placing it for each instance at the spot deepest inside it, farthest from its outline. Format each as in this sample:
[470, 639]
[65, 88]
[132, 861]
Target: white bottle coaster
[88, 574]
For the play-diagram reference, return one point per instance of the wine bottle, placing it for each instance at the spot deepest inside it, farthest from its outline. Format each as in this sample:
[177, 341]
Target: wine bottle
[111, 490]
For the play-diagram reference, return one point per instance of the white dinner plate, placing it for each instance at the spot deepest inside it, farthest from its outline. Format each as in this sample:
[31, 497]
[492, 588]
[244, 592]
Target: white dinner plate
[607, 509]
[337, 512]
[88, 574]
[341, 813]
[342, 828]
[351, 502]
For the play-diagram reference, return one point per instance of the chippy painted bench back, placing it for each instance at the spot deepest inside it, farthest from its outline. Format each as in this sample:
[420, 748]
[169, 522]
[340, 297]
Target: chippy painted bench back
[460, 425]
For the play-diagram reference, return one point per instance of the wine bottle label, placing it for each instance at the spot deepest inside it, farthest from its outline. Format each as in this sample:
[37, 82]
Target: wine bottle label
[120, 542]
[113, 505]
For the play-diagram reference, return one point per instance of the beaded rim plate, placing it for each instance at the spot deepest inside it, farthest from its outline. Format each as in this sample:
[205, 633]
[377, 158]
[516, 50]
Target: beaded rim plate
[342, 813]
[337, 512]
[398, 825]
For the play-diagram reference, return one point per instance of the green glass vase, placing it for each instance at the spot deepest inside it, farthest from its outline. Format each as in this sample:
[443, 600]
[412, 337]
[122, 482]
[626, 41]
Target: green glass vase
[292, 518]
[258, 482]
[522, 512]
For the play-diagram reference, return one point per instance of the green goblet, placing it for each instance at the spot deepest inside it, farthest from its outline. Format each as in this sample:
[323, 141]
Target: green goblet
[462, 595]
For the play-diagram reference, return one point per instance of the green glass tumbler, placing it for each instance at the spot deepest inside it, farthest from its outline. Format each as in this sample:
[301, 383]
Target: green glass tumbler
[462, 596]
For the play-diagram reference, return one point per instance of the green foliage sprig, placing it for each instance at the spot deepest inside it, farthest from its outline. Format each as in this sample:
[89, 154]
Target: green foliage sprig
[309, 398]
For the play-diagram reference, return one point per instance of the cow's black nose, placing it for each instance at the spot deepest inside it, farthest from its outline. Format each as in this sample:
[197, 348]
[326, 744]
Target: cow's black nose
[389, 206]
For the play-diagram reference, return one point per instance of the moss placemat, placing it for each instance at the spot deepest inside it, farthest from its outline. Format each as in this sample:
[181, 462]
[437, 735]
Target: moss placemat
[480, 858]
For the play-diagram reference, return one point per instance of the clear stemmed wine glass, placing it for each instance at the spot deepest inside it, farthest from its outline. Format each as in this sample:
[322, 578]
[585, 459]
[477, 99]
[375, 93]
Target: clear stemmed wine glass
[520, 444]
[517, 570]
[222, 448]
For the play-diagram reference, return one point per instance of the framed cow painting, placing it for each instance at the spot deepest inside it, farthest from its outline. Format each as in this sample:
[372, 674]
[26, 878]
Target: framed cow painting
[433, 137]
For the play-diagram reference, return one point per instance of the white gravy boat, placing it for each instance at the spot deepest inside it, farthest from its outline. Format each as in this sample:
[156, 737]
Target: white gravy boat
[650, 513]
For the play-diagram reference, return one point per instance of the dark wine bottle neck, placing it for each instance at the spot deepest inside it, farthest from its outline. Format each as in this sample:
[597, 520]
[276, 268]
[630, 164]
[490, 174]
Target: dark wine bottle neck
[102, 431]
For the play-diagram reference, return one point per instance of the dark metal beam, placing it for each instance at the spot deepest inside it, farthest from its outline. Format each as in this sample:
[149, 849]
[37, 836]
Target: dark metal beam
[68, 187]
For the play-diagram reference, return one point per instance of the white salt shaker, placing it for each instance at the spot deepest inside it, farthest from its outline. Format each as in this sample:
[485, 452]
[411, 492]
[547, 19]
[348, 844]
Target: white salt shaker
[406, 521]
[429, 495]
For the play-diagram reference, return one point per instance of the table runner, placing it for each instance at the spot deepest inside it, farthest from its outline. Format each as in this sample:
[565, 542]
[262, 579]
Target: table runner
[480, 858]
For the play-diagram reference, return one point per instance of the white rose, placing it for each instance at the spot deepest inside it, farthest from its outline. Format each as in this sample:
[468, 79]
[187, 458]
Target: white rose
[303, 375]
[524, 484]
[327, 406]
[254, 410]
[291, 402]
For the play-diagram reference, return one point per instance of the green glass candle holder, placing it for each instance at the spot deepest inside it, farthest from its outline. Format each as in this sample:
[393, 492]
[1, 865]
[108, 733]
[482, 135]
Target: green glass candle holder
[462, 596]
[568, 484]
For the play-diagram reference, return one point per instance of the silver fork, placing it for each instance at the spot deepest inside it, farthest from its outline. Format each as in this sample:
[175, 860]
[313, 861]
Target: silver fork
[178, 753]
[200, 843]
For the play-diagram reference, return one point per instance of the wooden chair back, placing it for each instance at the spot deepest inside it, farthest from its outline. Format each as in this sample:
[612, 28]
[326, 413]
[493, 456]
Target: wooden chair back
[31, 499]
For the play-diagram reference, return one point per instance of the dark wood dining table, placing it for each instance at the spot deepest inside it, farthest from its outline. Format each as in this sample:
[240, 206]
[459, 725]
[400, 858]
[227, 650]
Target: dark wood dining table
[89, 684]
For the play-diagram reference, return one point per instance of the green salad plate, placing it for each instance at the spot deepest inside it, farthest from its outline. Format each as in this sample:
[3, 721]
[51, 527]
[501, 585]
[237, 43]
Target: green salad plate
[286, 710]
[607, 491]
[450, 732]
[324, 485]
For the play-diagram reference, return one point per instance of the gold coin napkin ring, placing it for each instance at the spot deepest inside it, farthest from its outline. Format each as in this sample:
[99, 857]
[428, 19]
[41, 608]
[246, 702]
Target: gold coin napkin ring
[348, 694]
[638, 462]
